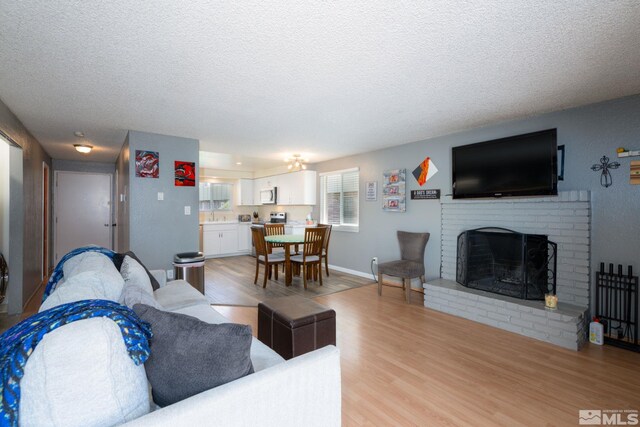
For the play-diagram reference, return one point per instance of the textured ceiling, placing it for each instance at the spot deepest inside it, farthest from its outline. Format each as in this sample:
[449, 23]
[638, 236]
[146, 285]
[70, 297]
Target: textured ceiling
[262, 79]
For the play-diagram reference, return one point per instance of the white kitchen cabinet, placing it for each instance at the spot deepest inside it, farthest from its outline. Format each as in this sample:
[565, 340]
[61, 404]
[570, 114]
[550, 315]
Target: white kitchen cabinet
[297, 188]
[219, 239]
[244, 193]
[294, 188]
[244, 237]
[258, 184]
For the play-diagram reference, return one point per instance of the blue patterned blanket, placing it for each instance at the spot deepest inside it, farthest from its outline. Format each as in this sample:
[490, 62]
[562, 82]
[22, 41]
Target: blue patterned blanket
[18, 343]
[58, 273]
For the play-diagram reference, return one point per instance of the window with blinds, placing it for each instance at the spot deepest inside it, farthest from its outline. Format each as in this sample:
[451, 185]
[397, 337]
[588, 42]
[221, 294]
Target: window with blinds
[339, 199]
[215, 196]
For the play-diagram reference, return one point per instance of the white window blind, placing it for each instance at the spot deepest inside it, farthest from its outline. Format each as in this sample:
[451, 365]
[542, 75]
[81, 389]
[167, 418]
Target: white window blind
[215, 197]
[339, 198]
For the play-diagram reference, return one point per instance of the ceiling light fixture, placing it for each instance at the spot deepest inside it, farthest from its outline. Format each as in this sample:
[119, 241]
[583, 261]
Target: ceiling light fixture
[239, 163]
[79, 134]
[296, 162]
[83, 148]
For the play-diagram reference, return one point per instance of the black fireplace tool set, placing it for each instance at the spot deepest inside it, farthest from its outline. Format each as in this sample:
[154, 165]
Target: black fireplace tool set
[617, 306]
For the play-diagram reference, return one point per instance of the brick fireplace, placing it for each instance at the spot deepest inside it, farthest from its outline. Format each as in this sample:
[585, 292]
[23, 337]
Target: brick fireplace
[565, 219]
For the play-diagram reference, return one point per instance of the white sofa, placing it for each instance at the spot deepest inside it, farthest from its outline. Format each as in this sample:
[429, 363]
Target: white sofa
[305, 390]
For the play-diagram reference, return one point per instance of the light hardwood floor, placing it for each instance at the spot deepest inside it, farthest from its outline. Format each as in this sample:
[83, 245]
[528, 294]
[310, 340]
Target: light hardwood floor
[408, 365]
[229, 281]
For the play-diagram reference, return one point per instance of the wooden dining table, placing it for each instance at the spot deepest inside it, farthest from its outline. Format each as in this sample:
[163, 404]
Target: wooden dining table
[287, 240]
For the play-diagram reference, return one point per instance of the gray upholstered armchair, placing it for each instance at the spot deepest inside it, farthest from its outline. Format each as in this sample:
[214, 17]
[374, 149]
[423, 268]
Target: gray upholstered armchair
[411, 264]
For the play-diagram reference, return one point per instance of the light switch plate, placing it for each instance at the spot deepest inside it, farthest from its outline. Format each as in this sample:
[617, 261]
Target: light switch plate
[160, 195]
[187, 210]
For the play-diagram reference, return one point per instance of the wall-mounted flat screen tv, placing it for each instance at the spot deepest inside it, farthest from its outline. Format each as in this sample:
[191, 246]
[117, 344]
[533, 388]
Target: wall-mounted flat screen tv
[522, 165]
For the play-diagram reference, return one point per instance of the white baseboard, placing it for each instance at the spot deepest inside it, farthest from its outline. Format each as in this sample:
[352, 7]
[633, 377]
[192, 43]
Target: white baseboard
[352, 272]
[370, 276]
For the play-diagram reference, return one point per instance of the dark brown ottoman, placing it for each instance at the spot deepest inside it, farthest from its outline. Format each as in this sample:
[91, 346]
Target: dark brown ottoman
[292, 326]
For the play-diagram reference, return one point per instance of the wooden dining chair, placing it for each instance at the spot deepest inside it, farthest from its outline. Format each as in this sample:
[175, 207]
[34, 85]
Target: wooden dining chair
[325, 248]
[273, 230]
[310, 258]
[264, 257]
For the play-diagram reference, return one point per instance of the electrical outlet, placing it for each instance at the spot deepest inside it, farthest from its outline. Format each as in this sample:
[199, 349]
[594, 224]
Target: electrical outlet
[169, 274]
[374, 259]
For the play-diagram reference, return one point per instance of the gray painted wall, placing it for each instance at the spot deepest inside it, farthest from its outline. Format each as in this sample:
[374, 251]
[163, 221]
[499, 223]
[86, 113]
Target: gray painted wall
[28, 241]
[160, 229]
[588, 133]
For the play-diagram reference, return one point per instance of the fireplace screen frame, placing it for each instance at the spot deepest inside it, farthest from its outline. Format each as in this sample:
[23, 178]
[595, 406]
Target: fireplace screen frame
[527, 275]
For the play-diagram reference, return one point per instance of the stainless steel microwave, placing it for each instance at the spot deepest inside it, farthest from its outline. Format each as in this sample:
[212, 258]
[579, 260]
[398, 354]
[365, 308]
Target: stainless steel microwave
[269, 196]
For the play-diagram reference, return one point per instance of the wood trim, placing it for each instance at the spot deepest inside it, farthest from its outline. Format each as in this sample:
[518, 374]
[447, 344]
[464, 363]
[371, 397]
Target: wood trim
[46, 216]
[32, 305]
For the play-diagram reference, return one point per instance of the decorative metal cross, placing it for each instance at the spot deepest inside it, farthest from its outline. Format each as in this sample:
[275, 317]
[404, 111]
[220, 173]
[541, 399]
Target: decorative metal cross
[605, 178]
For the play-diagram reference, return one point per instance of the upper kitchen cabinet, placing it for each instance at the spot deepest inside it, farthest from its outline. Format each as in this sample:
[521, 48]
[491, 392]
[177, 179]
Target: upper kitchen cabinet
[297, 188]
[265, 183]
[244, 192]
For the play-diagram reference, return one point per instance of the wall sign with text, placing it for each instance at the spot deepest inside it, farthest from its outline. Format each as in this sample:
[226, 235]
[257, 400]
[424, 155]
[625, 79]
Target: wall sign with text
[425, 194]
[371, 191]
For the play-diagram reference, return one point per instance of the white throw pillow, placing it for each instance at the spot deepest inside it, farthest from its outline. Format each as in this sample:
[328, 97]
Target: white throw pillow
[86, 285]
[134, 274]
[86, 261]
[137, 285]
[81, 374]
[89, 275]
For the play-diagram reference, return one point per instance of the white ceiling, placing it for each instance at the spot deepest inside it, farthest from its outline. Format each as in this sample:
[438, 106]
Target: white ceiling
[263, 79]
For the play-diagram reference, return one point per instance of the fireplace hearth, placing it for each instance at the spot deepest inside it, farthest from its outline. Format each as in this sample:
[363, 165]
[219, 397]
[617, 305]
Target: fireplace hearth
[506, 262]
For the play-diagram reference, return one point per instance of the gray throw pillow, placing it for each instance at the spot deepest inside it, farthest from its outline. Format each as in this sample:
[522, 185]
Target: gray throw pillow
[189, 356]
[119, 258]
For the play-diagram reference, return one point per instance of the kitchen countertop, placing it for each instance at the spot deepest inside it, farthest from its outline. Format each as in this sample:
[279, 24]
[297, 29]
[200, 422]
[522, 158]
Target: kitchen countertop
[223, 222]
[287, 224]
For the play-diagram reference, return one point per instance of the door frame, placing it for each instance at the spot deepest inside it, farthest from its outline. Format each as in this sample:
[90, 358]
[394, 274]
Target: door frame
[15, 258]
[55, 203]
[46, 215]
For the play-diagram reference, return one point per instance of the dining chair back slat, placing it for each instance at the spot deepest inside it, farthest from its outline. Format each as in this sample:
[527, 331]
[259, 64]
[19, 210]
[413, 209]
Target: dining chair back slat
[273, 230]
[325, 252]
[313, 241]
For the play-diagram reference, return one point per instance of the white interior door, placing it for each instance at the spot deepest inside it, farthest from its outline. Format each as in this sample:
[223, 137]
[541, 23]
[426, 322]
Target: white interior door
[82, 210]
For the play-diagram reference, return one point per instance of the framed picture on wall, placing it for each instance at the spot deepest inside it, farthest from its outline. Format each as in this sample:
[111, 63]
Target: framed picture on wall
[147, 164]
[394, 191]
[185, 174]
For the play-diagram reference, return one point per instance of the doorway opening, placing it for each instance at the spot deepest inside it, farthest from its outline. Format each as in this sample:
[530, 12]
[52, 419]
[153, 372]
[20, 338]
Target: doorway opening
[11, 222]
